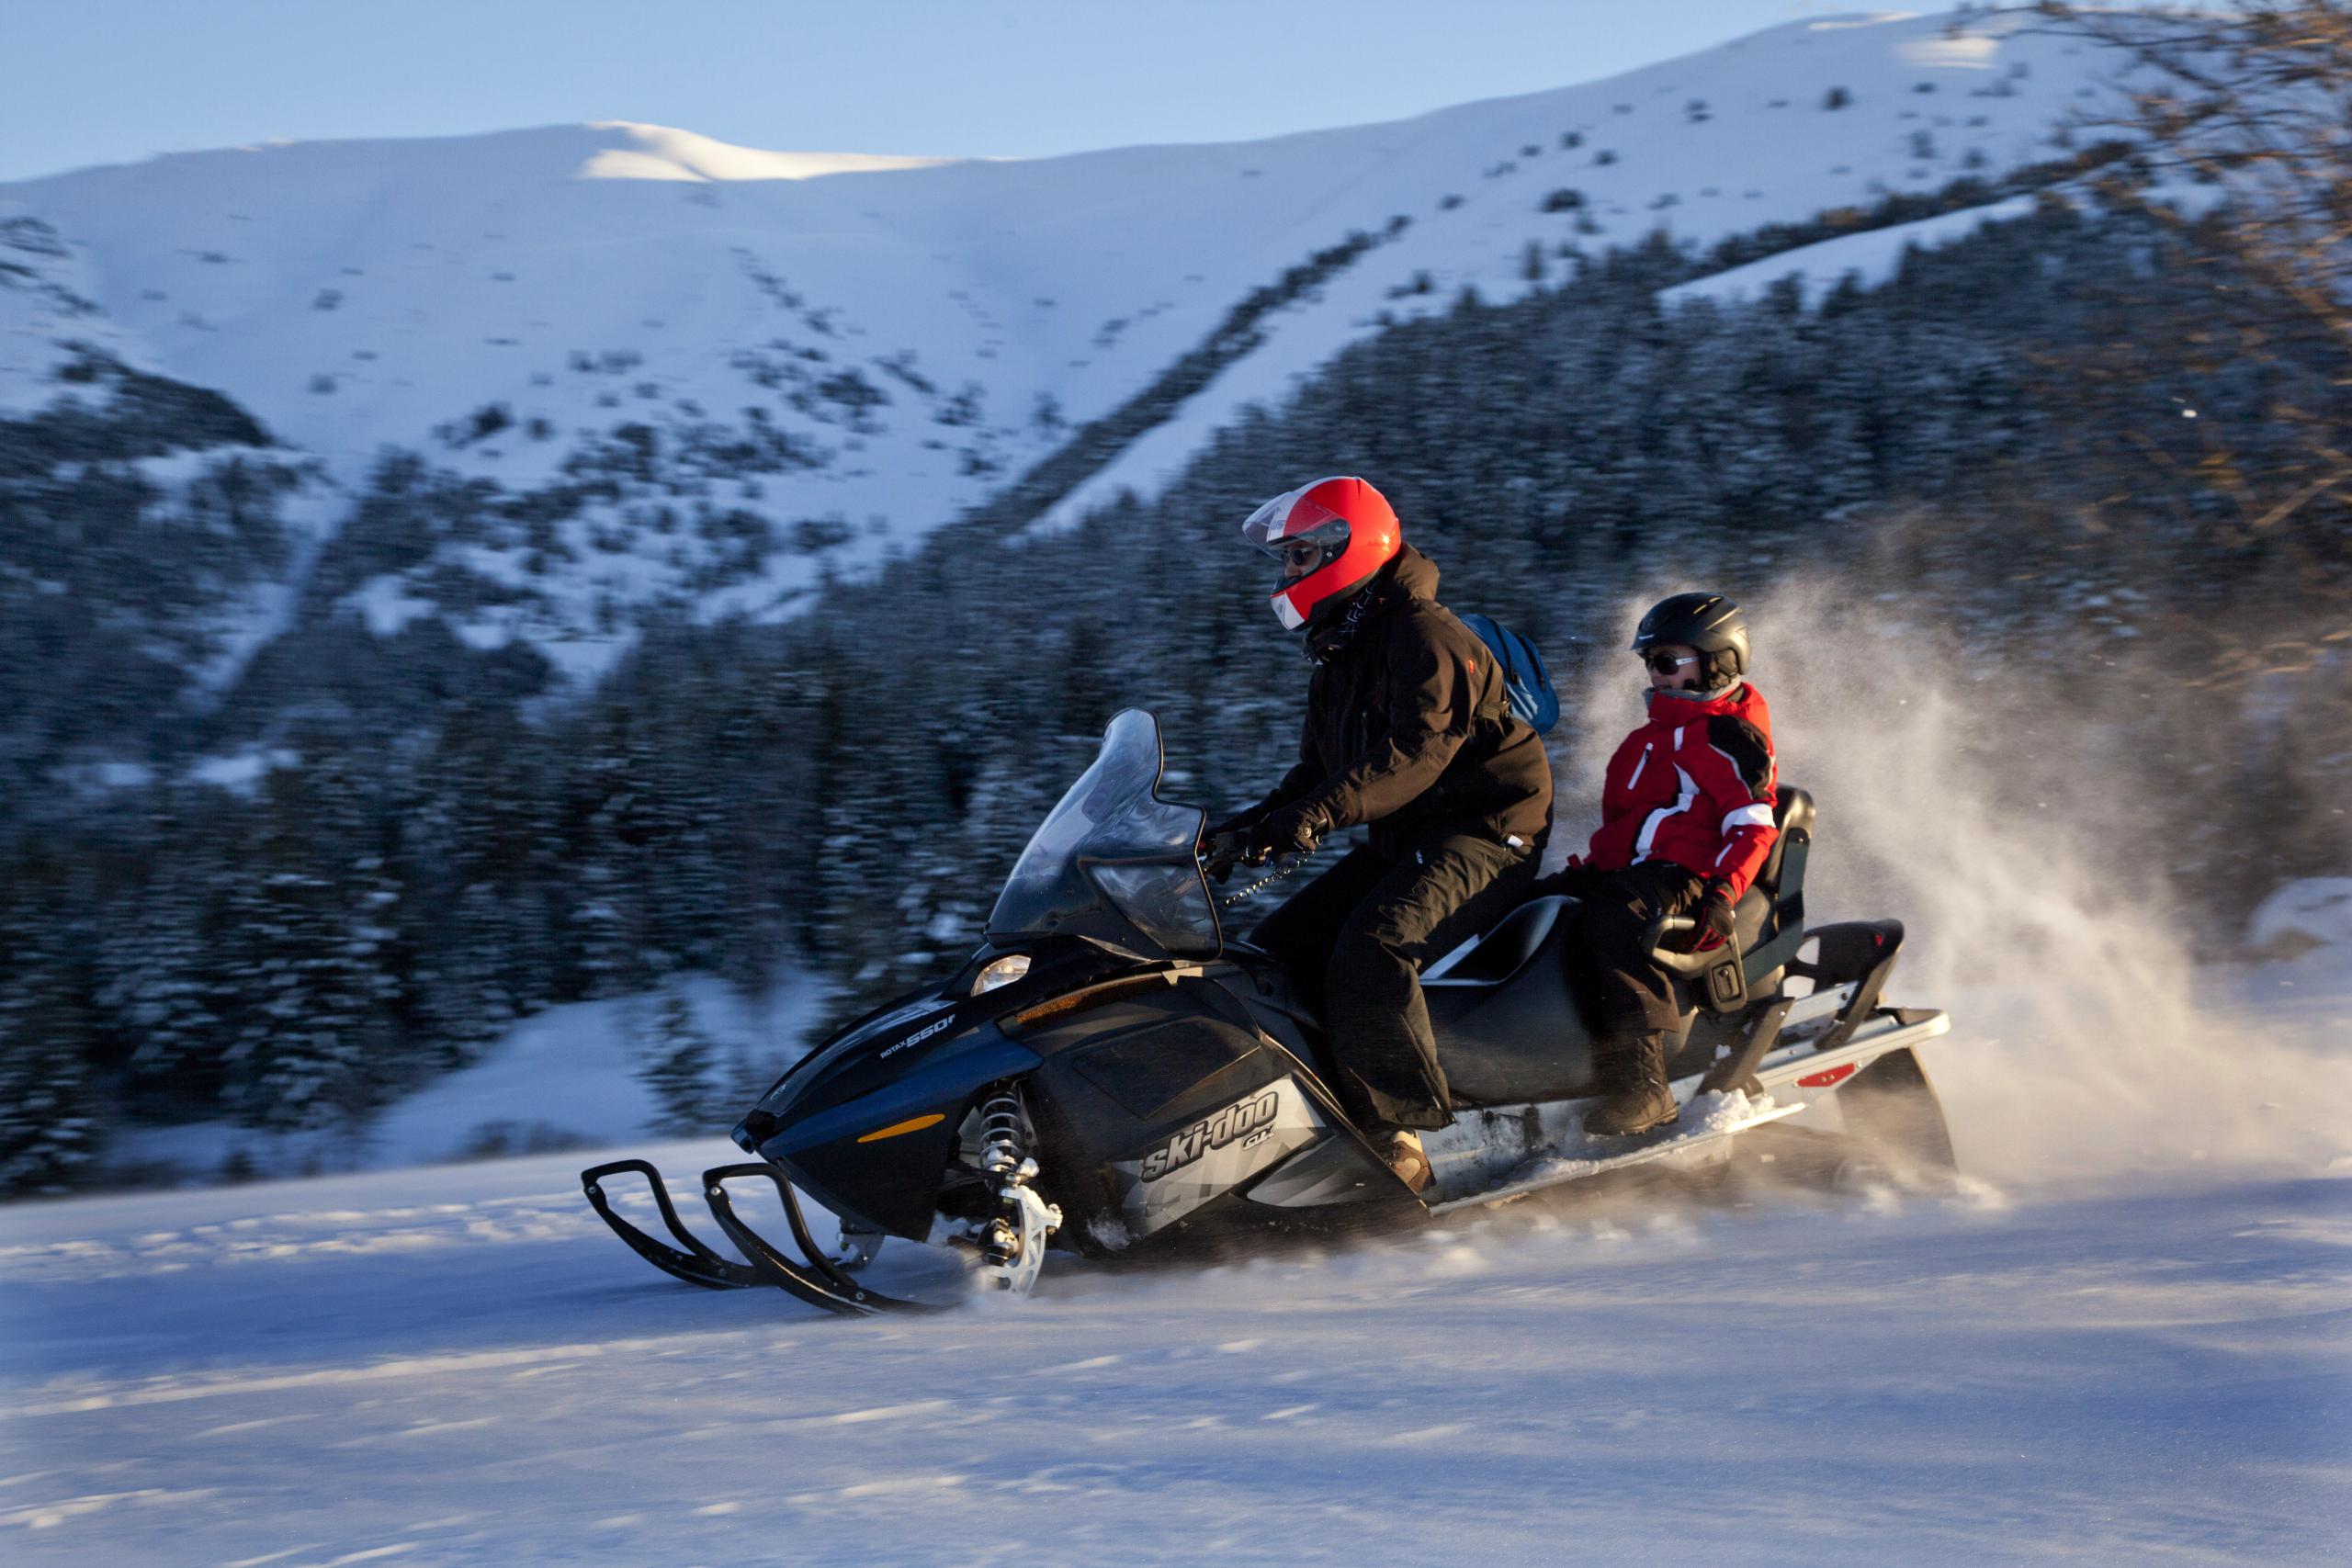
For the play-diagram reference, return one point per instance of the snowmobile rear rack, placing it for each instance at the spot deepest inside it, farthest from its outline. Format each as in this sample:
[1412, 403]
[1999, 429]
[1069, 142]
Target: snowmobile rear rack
[820, 1281]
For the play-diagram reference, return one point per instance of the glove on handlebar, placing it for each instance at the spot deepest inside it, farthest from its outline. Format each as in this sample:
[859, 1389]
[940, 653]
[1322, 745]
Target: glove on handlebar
[1289, 830]
[1223, 852]
[1713, 923]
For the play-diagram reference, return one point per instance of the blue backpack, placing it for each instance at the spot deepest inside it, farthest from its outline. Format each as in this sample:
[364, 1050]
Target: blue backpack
[1532, 699]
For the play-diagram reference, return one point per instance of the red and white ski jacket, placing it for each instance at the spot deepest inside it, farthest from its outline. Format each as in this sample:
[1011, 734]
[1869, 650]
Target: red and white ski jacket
[1694, 785]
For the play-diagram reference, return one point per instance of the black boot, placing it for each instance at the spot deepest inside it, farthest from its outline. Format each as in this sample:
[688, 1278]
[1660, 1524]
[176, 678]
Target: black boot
[1634, 1096]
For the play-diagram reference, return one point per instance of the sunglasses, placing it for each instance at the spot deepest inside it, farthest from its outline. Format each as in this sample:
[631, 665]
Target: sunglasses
[1301, 555]
[1668, 663]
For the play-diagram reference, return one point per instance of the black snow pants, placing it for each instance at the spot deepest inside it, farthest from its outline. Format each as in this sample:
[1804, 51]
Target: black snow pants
[1357, 937]
[1634, 996]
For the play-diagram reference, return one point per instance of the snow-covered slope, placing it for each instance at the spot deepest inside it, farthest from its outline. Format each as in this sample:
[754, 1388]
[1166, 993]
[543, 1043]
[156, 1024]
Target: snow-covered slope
[571, 1076]
[1869, 258]
[745, 368]
[49, 323]
[152, 524]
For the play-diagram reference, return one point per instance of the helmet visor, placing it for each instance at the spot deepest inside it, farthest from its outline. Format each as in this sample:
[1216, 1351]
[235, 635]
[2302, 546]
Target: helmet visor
[1311, 551]
[1288, 515]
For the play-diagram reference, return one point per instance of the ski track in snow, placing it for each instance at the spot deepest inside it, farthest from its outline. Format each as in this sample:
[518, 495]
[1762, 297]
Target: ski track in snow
[461, 1365]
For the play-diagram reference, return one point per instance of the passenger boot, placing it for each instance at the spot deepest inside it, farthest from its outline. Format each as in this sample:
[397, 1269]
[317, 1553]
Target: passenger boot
[1404, 1155]
[1634, 1095]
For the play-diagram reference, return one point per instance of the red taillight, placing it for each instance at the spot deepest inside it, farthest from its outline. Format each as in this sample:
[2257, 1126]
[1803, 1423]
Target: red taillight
[1828, 1077]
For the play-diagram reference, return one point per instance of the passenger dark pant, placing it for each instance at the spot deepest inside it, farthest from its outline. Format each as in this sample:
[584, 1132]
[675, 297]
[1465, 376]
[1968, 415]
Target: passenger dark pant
[1357, 937]
[1634, 997]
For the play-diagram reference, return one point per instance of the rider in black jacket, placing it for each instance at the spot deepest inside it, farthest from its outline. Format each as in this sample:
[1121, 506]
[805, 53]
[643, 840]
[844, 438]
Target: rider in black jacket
[1409, 732]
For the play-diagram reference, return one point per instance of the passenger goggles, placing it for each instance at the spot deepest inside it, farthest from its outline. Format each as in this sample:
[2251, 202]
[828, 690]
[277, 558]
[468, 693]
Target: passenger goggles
[1668, 663]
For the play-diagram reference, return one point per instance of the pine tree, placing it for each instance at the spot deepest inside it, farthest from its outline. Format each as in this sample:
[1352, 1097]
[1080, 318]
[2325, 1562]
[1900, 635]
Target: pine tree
[155, 992]
[678, 1067]
[315, 1033]
[50, 1129]
[464, 997]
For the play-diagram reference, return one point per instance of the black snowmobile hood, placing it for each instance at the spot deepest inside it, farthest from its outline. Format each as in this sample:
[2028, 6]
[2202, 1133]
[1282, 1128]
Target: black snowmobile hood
[867, 1121]
[884, 1049]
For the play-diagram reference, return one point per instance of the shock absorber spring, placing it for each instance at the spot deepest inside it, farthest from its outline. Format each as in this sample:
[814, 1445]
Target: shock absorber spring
[1003, 1143]
[1013, 1242]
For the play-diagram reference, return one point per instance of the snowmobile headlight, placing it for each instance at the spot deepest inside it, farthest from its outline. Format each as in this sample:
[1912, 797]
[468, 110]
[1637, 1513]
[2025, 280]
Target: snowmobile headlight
[1003, 972]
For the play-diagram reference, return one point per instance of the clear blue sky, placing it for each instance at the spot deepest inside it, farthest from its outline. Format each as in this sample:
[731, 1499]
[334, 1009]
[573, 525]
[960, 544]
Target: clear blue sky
[108, 81]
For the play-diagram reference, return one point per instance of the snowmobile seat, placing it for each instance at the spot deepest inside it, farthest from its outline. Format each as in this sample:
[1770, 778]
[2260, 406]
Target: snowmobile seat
[1764, 911]
[1770, 917]
[1793, 817]
[1504, 950]
[1768, 924]
[1751, 914]
[1512, 1024]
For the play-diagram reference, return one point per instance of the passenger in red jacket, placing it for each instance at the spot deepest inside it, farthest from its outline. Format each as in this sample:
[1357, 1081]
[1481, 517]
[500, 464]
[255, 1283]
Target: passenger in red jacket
[1686, 822]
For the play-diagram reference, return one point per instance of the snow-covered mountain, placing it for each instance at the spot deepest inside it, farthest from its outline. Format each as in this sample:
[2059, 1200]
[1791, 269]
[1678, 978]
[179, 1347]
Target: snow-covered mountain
[151, 530]
[680, 372]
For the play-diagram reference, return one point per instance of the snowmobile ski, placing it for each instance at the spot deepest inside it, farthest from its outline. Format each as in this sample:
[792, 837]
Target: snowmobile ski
[822, 1281]
[690, 1260]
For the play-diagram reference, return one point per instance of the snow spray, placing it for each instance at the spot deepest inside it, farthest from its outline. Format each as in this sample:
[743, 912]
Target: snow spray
[2007, 832]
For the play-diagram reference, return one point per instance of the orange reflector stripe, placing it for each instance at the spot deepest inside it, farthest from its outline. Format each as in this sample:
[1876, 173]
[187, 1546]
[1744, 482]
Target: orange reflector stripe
[895, 1128]
[1828, 1076]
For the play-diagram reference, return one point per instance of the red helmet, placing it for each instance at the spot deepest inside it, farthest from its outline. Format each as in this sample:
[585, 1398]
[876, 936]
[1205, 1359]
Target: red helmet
[1330, 537]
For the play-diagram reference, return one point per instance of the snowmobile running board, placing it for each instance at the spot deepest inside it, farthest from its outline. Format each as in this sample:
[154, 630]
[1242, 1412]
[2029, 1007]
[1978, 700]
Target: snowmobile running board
[1798, 1065]
[820, 1281]
[1561, 1165]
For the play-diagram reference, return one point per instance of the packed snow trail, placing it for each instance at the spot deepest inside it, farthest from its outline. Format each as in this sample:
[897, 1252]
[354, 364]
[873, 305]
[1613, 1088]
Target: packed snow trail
[461, 1365]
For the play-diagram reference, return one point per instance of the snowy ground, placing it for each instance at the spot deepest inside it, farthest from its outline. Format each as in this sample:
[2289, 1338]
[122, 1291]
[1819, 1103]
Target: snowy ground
[461, 1366]
[2124, 1339]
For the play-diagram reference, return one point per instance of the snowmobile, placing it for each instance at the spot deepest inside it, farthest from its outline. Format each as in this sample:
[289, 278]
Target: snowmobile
[1112, 1075]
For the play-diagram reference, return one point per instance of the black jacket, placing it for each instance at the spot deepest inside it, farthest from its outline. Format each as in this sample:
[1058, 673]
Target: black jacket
[1408, 725]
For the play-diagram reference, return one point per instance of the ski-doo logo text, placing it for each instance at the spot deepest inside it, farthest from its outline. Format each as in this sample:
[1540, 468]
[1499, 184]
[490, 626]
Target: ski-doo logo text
[1236, 1120]
[918, 1037]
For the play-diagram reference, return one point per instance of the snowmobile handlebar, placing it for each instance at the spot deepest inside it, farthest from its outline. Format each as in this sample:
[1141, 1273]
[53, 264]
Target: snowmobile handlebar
[1683, 963]
[1217, 856]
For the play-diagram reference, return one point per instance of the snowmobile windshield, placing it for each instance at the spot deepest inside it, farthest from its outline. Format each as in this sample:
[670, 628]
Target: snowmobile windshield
[1114, 863]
